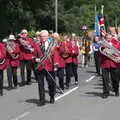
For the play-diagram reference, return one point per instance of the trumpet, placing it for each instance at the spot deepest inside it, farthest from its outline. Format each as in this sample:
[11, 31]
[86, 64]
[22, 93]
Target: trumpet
[109, 51]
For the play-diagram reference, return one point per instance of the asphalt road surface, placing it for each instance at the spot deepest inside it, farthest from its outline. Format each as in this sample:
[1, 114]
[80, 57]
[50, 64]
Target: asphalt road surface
[82, 102]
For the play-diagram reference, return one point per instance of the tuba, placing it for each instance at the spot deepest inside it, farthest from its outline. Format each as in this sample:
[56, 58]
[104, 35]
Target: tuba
[109, 51]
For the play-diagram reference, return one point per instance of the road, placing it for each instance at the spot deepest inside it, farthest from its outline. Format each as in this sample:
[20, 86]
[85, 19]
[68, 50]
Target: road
[82, 102]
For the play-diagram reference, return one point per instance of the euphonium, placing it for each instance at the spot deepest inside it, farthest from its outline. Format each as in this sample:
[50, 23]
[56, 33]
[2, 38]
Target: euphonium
[10, 45]
[2, 61]
[25, 44]
[110, 51]
[49, 49]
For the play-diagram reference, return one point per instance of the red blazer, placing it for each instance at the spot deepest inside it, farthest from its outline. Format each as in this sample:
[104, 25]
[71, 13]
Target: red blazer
[51, 62]
[61, 63]
[66, 48]
[75, 52]
[15, 62]
[25, 54]
[3, 55]
[108, 63]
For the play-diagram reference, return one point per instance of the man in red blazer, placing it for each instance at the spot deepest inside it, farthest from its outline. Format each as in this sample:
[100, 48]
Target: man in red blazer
[67, 56]
[13, 54]
[110, 67]
[75, 53]
[27, 50]
[3, 64]
[61, 64]
[46, 68]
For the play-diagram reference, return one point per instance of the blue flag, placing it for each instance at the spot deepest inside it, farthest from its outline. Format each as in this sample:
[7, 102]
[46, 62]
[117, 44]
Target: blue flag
[97, 26]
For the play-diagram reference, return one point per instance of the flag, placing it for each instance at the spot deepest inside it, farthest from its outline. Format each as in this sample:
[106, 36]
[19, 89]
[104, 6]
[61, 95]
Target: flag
[97, 26]
[102, 26]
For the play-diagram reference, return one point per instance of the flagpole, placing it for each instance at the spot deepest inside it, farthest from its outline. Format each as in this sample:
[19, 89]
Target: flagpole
[116, 27]
[95, 9]
[102, 8]
[56, 15]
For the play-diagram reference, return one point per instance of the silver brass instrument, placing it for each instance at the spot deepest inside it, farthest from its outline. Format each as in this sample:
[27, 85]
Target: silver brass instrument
[2, 61]
[46, 54]
[110, 51]
[10, 45]
[25, 44]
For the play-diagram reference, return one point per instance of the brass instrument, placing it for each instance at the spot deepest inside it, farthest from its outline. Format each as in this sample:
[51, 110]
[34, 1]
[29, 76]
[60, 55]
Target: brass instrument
[109, 51]
[46, 54]
[25, 44]
[10, 45]
[66, 54]
[66, 51]
[2, 61]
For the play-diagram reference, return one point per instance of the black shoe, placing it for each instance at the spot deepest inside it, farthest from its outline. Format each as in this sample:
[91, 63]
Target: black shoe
[105, 96]
[76, 82]
[15, 87]
[22, 84]
[41, 103]
[9, 88]
[1, 93]
[52, 100]
[67, 86]
[116, 94]
[28, 83]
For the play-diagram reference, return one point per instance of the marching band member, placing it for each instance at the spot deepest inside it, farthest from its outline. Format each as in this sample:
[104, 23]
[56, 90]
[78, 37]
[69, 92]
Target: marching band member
[27, 49]
[96, 47]
[61, 65]
[3, 64]
[110, 67]
[13, 56]
[37, 46]
[46, 68]
[75, 53]
[67, 55]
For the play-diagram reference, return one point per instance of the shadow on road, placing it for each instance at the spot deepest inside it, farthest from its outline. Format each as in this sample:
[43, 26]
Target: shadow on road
[98, 94]
[91, 71]
[35, 101]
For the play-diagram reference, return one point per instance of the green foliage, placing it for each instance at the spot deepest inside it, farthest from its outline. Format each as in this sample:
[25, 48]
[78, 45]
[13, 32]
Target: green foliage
[40, 14]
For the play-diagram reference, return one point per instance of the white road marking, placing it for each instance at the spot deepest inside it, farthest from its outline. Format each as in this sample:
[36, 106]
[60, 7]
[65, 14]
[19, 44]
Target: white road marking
[88, 80]
[21, 116]
[57, 98]
[66, 93]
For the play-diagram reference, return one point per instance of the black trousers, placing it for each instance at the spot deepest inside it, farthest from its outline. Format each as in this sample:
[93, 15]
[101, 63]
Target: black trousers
[97, 62]
[51, 84]
[87, 58]
[68, 70]
[114, 74]
[1, 81]
[28, 65]
[34, 65]
[60, 74]
[74, 69]
[12, 74]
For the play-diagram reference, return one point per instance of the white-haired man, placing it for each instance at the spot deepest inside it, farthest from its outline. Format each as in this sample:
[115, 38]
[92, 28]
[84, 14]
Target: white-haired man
[46, 69]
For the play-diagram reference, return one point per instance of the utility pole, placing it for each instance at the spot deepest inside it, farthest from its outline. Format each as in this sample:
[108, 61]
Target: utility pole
[56, 15]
